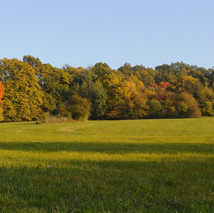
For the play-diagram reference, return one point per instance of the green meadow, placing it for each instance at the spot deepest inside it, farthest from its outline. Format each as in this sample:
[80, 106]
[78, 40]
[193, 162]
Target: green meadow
[108, 166]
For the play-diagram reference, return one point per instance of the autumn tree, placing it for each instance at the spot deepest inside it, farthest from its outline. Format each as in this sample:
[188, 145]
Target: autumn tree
[114, 85]
[98, 92]
[1, 96]
[185, 83]
[206, 101]
[135, 106]
[23, 96]
[187, 106]
[146, 75]
[1, 91]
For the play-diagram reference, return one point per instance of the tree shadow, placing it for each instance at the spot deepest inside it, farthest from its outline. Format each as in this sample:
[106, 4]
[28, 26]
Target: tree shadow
[110, 147]
[115, 185]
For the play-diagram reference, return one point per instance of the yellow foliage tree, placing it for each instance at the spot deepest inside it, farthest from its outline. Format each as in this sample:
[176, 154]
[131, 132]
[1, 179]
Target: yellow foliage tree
[184, 82]
[23, 96]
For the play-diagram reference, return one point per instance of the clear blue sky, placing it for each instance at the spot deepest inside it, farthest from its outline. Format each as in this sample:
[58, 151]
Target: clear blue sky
[83, 32]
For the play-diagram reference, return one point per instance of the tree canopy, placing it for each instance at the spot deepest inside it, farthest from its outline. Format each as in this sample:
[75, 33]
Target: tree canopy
[30, 88]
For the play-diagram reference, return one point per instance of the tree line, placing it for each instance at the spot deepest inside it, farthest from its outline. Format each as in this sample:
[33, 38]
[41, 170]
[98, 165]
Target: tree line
[30, 90]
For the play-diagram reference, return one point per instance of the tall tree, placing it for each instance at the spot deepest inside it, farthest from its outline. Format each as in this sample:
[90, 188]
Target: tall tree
[1, 91]
[1, 96]
[23, 96]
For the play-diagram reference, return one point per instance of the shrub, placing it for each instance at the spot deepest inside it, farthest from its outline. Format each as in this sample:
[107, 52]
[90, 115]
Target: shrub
[79, 107]
[188, 106]
[155, 109]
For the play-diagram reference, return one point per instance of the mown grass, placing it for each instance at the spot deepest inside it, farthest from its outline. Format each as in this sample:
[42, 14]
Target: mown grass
[108, 166]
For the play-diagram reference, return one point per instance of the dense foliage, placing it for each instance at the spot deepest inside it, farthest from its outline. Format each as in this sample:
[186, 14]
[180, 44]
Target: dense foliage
[32, 89]
[1, 96]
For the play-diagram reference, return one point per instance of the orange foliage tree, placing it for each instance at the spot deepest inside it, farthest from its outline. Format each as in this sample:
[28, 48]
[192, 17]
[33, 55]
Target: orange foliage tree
[1, 91]
[162, 85]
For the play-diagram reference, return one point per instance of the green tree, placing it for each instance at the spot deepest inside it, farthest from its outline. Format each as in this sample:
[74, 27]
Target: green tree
[146, 75]
[101, 69]
[155, 109]
[56, 87]
[126, 69]
[98, 97]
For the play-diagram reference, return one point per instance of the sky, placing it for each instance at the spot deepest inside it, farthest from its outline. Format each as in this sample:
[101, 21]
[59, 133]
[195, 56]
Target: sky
[84, 32]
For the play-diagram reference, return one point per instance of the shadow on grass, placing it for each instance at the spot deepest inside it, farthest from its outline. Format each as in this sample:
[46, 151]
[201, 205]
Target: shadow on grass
[94, 186]
[110, 147]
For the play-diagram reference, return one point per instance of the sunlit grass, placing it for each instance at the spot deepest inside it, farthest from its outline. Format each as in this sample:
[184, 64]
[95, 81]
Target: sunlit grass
[108, 166]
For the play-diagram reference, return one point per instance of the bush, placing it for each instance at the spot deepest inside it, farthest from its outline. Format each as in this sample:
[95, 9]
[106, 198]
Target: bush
[155, 109]
[79, 107]
[188, 106]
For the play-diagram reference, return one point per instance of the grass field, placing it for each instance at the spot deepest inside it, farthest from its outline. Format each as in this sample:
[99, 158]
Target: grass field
[108, 166]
